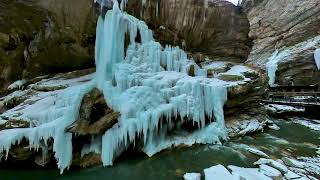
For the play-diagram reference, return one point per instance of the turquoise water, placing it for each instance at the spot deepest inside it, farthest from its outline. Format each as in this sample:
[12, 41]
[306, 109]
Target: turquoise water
[292, 140]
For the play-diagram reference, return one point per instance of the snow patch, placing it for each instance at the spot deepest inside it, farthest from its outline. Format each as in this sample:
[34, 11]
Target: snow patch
[257, 152]
[192, 176]
[218, 172]
[277, 108]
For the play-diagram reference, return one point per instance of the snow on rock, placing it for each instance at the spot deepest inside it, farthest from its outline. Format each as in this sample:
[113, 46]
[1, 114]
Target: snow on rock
[317, 57]
[274, 127]
[291, 175]
[244, 127]
[275, 164]
[257, 152]
[17, 85]
[276, 108]
[312, 124]
[215, 65]
[269, 171]
[192, 176]
[292, 162]
[248, 127]
[311, 164]
[218, 172]
[248, 173]
[239, 70]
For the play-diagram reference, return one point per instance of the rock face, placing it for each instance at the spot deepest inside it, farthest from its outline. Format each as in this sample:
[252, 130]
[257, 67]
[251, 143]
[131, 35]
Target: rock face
[43, 37]
[281, 25]
[216, 29]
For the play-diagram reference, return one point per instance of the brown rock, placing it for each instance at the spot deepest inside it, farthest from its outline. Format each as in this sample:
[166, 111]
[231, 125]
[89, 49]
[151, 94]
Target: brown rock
[228, 77]
[45, 37]
[95, 117]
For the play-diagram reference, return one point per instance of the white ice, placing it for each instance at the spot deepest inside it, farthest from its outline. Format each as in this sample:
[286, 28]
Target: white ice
[257, 152]
[218, 172]
[17, 85]
[192, 176]
[269, 171]
[248, 173]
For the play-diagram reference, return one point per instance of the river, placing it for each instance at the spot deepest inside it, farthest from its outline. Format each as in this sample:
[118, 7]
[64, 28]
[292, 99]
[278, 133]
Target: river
[291, 140]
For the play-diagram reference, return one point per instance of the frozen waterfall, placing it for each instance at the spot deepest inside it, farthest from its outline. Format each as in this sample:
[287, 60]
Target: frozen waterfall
[147, 83]
[150, 83]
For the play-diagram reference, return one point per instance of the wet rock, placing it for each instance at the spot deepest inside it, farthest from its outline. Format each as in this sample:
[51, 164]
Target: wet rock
[95, 117]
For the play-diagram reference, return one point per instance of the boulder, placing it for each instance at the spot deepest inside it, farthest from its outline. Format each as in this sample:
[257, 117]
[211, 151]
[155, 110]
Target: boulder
[95, 116]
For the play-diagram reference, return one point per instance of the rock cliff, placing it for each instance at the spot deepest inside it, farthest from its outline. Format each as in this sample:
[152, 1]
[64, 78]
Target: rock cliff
[216, 29]
[43, 37]
[287, 26]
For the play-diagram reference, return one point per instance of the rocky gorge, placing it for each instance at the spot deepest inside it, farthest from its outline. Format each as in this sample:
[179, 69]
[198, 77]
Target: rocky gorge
[51, 89]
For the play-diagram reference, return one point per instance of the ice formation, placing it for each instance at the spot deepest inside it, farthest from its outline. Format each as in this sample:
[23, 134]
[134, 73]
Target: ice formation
[53, 115]
[317, 57]
[286, 54]
[272, 67]
[148, 84]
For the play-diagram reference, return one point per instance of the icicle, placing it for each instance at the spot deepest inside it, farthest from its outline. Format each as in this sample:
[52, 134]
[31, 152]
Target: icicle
[317, 57]
[272, 67]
